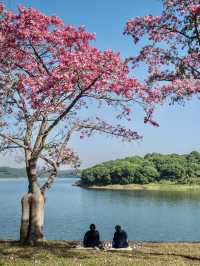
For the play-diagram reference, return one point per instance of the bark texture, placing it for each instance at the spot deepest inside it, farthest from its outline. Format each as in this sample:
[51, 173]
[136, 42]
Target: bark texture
[32, 218]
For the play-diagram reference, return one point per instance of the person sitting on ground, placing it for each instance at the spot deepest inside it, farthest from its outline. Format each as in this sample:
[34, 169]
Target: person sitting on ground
[120, 239]
[92, 238]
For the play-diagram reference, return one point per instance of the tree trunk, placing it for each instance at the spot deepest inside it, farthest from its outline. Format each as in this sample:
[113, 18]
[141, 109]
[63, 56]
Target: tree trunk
[25, 203]
[32, 218]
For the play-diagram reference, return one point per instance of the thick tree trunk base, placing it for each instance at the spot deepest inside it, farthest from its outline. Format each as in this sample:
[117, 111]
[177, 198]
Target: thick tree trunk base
[32, 218]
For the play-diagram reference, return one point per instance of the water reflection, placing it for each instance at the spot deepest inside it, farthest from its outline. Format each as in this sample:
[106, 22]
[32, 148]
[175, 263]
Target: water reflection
[150, 194]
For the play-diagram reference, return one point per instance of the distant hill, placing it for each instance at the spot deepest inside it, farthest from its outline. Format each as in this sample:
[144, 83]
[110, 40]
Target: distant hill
[9, 172]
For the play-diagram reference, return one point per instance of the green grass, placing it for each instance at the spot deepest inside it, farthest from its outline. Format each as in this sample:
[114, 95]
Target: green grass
[152, 186]
[61, 253]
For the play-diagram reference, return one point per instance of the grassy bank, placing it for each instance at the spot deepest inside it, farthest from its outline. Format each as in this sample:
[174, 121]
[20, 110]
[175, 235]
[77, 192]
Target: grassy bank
[61, 253]
[152, 186]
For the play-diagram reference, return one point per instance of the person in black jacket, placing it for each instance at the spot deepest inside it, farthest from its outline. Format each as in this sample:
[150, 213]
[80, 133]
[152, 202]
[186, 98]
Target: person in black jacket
[120, 239]
[92, 238]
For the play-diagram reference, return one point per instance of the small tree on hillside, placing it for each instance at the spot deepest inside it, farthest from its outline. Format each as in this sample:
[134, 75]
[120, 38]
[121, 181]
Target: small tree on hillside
[172, 52]
[49, 76]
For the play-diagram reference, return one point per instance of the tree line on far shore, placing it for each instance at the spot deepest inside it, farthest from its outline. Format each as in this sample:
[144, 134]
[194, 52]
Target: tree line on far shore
[8, 172]
[154, 167]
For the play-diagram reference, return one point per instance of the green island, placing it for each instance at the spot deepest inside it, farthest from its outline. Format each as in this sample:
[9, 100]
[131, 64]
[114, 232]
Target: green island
[154, 171]
[55, 253]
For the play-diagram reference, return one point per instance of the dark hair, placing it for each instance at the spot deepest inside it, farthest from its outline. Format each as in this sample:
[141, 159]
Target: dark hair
[92, 227]
[117, 228]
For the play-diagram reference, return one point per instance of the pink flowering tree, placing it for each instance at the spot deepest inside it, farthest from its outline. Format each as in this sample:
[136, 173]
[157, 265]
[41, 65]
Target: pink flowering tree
[172, 50]
[51, 82]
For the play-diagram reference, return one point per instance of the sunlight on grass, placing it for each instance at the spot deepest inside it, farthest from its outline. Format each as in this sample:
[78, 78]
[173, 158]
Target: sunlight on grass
[62, 253]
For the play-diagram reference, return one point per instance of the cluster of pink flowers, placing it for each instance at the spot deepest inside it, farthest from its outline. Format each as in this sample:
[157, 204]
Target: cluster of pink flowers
[181, 6]
[195, 9]
[49, 59]
[182, 88]
[63, 154]
[89, 126]
[172, 54]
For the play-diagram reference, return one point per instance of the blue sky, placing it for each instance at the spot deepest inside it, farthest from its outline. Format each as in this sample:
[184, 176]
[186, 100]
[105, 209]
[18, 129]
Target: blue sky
[179, 126]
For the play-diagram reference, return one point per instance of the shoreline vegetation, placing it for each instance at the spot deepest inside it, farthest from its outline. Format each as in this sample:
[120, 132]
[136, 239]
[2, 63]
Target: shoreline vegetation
[154, 171]
[63, 253]
[149, 187]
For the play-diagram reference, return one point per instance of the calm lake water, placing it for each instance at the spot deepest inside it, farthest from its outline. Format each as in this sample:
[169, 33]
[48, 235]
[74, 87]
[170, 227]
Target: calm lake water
[145, 215]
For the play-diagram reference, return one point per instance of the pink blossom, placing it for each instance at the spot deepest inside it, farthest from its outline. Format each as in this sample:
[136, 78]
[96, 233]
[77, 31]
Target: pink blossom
[195, 9]
[171, 53]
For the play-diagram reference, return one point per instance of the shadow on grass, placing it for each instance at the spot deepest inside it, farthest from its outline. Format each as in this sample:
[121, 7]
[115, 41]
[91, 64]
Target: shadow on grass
[189, 257]
[149, 255]
[59, 249]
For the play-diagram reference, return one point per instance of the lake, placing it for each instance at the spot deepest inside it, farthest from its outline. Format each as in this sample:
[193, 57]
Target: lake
[145, 215]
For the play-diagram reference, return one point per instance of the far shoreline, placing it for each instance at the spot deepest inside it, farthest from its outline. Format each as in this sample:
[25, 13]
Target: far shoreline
[145, 187]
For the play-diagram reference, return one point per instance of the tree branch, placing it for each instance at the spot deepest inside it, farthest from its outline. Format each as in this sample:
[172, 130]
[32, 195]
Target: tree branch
[40, 59]
[3, 148]
[57, 120]
[66, 139]
[29, 73]
[196, 29]
[14, 141]
[53, 173]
